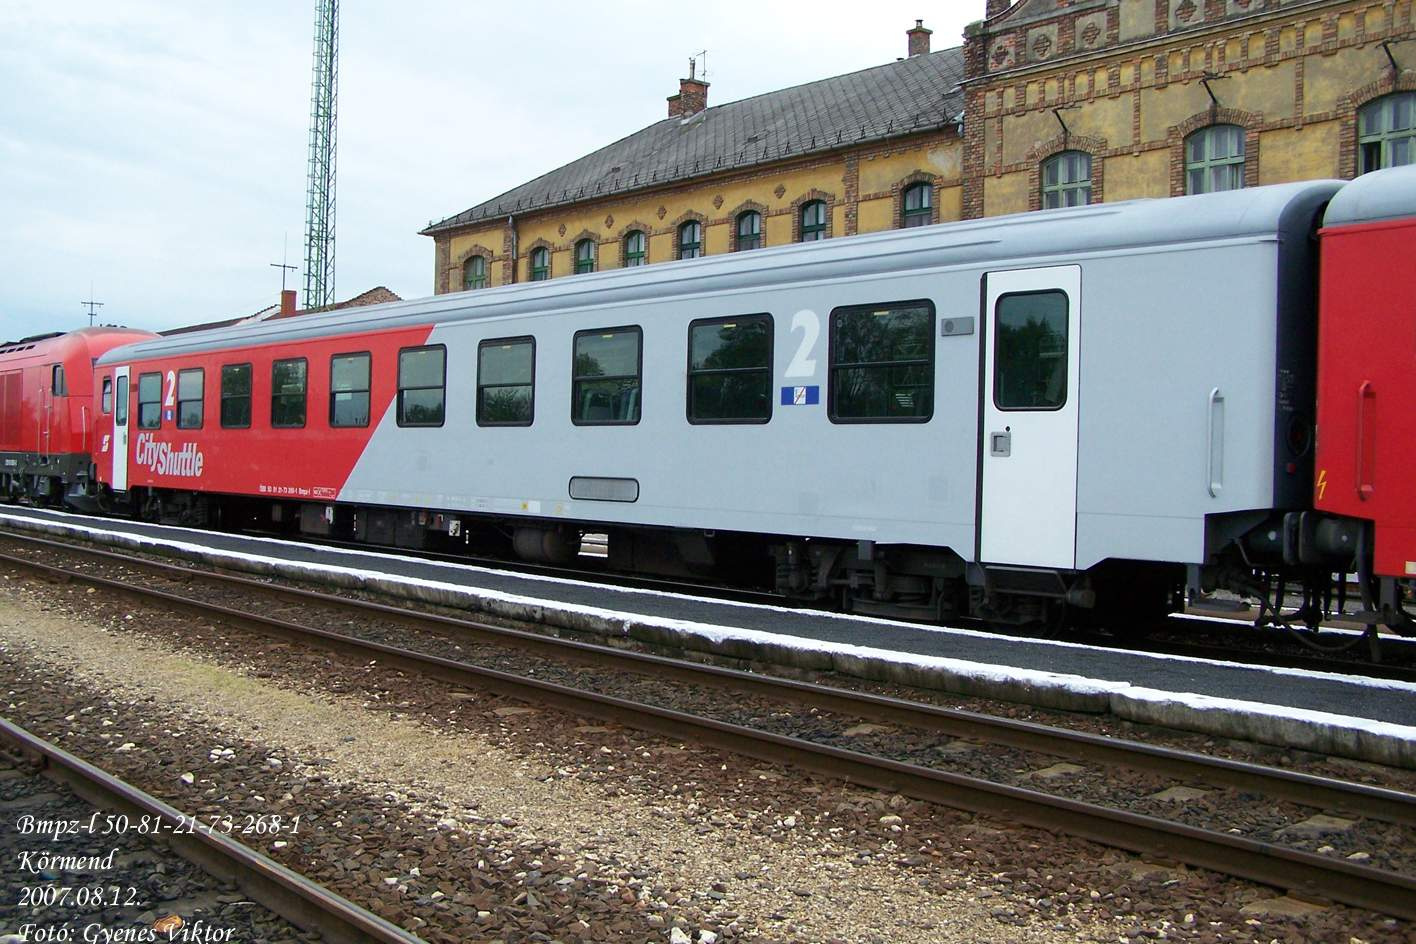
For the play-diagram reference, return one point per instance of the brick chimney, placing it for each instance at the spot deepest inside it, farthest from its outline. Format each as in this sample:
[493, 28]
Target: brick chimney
[692, 96]
[287, 303]
[996, 7]
[919, 39]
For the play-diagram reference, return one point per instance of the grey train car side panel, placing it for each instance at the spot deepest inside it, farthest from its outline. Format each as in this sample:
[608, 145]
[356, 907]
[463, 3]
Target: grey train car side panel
[1171, 290]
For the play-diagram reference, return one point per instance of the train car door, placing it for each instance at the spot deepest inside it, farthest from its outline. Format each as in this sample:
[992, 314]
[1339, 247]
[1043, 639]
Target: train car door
[120, 429]
[1028, 507]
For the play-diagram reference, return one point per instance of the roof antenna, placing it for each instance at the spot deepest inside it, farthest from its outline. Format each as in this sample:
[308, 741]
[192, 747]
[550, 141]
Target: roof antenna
[92, 305]
[693, 64]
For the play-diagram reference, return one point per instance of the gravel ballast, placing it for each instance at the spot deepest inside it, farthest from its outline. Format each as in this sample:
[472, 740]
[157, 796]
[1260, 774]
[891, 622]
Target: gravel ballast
[539, 819]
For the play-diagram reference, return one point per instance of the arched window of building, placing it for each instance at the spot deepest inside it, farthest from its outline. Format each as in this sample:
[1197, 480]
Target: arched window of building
[636, 248]
[540, 264]
[1067, 180]
[1386, 132]
[1214, 159]
[813, 221]
[749, 230]
[585, 256]
[918, 205]
[690, 240]
[474, 273]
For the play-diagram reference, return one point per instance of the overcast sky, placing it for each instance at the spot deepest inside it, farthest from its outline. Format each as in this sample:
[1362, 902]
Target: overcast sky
[156, 151]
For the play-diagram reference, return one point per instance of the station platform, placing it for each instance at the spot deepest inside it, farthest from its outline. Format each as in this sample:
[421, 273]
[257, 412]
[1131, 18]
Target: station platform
[1340, 715]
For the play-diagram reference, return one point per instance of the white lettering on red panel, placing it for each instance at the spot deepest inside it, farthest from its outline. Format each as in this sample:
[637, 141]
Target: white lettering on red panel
[163, 458]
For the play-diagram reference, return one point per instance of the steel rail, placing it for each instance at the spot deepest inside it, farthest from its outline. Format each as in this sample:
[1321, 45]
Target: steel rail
[1310, 874]
[1305, 789]
[300, 901]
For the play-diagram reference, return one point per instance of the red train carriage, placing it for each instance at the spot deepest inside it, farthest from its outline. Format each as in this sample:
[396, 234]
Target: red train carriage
[47, 409]
[1366, 439]
[198, 423]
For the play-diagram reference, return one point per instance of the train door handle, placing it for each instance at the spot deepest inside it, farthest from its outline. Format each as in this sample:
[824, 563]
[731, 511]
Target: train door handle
[1366, 440]
[1000, 443]
[1214, 470]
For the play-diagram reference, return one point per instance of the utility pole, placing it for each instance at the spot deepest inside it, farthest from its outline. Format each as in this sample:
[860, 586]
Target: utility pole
[319, 199]
[283, 267]
[92, 306]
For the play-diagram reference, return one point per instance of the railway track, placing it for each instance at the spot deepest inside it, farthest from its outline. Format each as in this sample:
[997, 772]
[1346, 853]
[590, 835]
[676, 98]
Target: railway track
[1274, 864]
[289, 895]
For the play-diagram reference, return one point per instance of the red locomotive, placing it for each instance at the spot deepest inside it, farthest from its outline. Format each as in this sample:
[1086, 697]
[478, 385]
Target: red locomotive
[48, 410]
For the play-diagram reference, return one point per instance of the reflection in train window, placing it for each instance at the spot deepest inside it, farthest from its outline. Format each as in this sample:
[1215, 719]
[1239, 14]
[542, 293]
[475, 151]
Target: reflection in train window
[730, 370]
[149, 401]
[349, 389]
[506, 382]
[1030, 351]
[882, 363]
[422, 385]
[606, 376]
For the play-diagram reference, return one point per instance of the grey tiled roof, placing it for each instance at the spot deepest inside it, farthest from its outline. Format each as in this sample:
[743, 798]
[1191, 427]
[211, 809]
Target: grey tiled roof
[898, 98]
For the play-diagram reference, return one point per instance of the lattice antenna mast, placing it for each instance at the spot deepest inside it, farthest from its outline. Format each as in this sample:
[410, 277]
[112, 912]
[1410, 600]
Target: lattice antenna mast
[319, 199]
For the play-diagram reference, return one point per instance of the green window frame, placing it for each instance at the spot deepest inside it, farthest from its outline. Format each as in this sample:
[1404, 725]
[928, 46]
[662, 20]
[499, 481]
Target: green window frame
[882, 363]
[1030, 351]
[607, 376]
[191, 396]
[474, 273]
[636, 249]
[584, 256]
[236, 396]
[1214, 159]
[349, 386]
[289, 382]
[917, 205]
[540, 264]
[1386, 132]
[749, 230]
[506, 381]
[422, 385]
[730, 370]
[149, 401]
[1067, 180]
[813, 221]
[690, 240]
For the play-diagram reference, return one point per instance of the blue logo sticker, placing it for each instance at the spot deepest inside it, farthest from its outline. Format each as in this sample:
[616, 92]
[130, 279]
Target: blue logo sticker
[801, 396]
[167, 415]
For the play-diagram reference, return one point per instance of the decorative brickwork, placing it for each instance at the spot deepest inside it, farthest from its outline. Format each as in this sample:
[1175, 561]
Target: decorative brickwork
[441, 247]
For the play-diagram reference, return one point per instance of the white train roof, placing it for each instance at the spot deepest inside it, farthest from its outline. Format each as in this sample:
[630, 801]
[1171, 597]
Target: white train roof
[1381, 195]
[1260, 212]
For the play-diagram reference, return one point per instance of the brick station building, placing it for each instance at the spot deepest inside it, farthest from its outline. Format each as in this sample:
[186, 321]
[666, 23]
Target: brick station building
[1046, 103]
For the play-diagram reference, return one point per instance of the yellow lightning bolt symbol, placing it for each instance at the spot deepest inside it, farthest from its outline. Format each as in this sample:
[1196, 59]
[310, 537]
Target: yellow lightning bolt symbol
[1322, 484]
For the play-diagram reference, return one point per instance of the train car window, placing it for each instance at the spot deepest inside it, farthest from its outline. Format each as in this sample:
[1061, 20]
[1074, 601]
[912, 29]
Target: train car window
[120, 413]
[58, 385]
[422, 378]
[191, 391]
[287, 393]
[730, 370]
[506, 382]
[106, 401]
[882, 363]
[349, 389]
[606, 376]
[1030, 351]
[149, 401]
[236, 396]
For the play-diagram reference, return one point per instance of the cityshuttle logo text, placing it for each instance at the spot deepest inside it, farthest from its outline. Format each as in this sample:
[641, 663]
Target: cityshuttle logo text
[163, 458]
